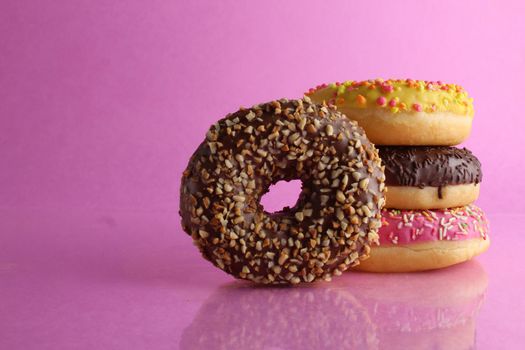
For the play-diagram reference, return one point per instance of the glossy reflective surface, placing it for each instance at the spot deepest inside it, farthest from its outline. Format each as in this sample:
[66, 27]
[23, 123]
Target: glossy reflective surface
[134, 281]
[355, 311]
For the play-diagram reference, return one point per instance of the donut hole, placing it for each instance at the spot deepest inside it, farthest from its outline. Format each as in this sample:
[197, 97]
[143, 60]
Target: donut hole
[281, 195]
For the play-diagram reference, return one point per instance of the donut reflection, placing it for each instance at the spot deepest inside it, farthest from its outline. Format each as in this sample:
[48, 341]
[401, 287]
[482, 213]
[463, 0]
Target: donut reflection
[432, 310]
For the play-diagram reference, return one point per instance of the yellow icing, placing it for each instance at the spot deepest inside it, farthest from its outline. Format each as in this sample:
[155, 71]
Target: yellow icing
[397, 95]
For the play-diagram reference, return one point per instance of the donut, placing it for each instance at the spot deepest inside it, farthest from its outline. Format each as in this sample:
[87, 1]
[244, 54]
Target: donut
[403, 112]
[427, 177]
[418, 240]
[335, 219]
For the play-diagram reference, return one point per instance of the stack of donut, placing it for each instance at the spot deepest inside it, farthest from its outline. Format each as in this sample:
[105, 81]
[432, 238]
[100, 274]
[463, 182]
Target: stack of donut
[429, 220]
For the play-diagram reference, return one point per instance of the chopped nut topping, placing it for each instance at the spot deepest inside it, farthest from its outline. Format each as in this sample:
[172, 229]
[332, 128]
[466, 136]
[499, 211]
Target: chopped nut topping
[244, 153]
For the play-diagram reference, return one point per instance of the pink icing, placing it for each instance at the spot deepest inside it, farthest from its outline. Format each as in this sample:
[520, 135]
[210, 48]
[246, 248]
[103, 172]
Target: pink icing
[417, 226]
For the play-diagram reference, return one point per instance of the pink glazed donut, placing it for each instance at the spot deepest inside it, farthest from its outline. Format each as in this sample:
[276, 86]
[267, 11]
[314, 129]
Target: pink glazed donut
[418, 240]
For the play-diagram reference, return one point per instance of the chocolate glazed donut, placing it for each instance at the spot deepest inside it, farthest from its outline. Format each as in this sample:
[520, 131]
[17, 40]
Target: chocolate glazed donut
[336, 216]
[454, 173]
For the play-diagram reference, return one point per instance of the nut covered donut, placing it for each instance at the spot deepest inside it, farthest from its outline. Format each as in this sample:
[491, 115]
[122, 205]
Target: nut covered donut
[403, 112]
[336, 217]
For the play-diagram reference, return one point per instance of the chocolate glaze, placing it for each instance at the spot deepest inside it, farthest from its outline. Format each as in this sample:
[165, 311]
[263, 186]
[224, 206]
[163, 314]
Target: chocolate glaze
[429, 166]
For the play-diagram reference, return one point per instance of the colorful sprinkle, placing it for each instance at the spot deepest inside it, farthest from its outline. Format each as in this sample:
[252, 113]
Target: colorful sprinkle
[387, 88]
[407, 95]
[423, 225]
[393, 102]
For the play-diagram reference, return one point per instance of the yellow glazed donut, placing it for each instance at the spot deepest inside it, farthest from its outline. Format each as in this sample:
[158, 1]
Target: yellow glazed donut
[403, 112]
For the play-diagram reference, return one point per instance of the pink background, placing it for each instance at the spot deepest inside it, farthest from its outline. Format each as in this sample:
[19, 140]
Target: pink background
[103, 102]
